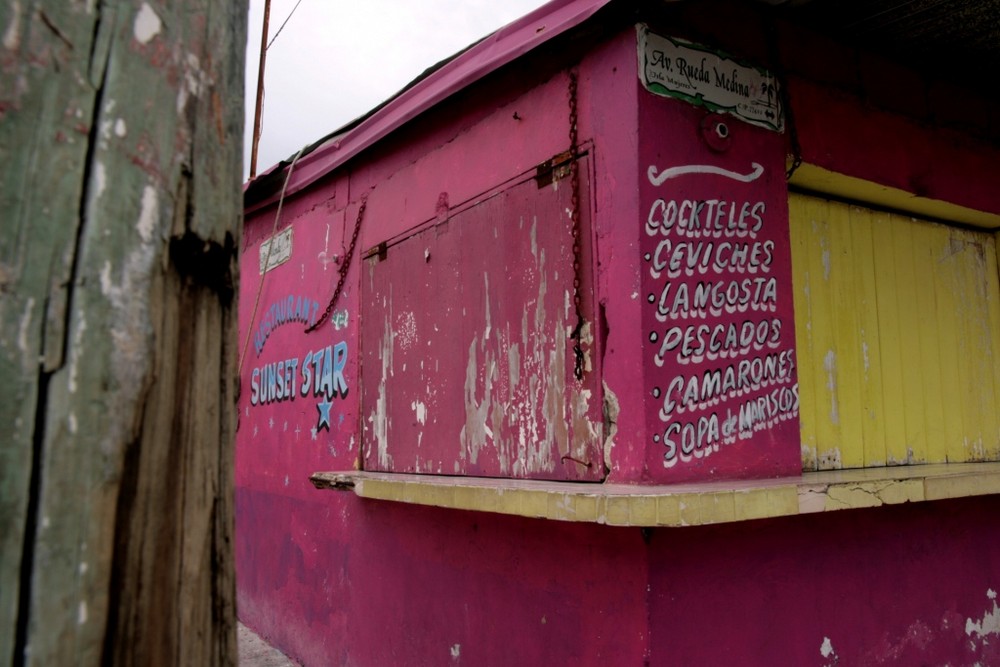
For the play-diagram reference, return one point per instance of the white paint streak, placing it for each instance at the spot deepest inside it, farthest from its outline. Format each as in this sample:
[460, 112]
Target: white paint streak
[84, 567]
[120, 128]
[74, 358]
[611, 410]
[12, 36]
[81, 613]
[147, 24]
[826, 649]
[24, 325]
[456, 651]
[100, 179]
[379, 417]
[673, 172]
[107, 287]
[148, 214]
[989, 624]
[421, 411]
[105, 132]
[71, 421]
[486, 298]
[830, 364]
[194, 77]
[406, 331]
[196, 81]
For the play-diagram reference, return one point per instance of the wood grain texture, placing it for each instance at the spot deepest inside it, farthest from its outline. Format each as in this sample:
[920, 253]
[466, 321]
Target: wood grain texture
[897, 336]
[120, 161]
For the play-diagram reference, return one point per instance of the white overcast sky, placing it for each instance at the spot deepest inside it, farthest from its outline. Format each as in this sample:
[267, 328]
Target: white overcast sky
[336, 59]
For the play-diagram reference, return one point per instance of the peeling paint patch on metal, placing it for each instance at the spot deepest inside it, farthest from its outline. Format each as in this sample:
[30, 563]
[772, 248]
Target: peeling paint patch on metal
[989, 624]
[420, 409]
[826, 648]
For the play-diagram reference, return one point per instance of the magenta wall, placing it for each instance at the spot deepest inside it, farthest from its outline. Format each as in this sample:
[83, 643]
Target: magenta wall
[895, 586]
[900, 585]
[387, 584]
[331, 579]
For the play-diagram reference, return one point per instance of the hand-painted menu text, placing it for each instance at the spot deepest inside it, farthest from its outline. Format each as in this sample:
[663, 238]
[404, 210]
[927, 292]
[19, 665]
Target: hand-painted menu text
[723, 361]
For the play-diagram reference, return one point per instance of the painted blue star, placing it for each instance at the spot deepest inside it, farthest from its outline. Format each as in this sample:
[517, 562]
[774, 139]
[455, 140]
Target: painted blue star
[324, 414]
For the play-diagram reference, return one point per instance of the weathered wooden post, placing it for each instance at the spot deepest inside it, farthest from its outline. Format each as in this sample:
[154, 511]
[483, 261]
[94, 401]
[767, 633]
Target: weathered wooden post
[120, 207]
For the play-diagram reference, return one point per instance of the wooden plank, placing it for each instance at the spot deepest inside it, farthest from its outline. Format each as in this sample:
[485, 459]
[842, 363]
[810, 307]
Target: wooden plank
[803, 214]
[946, 286]
[979, 341]
[907, 337]
[828, 437]
[993, 304]
[35, 243]
[927, 239]
[798, 238]
[883, 236]
[120, 158]
[870, 389]
[845, 367]
[678, 505]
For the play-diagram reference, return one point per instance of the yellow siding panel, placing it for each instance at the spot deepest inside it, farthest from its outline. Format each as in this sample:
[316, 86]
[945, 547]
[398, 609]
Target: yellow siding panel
[871, 391]
[948, 331]
[898, 337]
[843, 363]
[823, 331]
[981, 339]
[993, 303]
[890, 350]
[800, 211]
[927, 237]
[966, 311]
[909, 294]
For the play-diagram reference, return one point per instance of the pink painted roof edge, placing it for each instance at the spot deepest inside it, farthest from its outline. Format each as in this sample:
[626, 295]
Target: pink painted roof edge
[486, 56]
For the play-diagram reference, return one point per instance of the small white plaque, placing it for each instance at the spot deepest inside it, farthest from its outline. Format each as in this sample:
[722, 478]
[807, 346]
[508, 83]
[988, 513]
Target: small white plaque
[677, 68]
[280, 253]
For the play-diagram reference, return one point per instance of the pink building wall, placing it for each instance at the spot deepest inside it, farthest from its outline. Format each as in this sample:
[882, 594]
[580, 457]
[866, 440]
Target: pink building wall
[332, 579]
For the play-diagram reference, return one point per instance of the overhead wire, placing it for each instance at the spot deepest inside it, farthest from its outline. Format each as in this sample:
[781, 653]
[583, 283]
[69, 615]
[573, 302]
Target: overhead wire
[283, 24]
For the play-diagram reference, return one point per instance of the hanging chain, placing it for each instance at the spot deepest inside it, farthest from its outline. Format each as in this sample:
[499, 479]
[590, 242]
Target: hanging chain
[342, 270]
[574, 176]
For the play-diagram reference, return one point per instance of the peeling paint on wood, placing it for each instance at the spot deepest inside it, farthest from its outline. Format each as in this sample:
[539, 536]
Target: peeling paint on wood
[898, 338]
[117, 265]
[474, 325]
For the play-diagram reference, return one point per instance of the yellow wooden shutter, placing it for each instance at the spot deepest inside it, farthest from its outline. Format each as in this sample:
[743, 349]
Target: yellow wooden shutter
[897, 322]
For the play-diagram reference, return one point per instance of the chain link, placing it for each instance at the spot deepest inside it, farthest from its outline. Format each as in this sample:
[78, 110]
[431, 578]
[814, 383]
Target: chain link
[342, 270]
[574, 176]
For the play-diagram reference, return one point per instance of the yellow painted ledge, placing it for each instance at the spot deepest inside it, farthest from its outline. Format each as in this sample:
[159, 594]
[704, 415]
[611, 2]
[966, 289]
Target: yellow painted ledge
[678, 504]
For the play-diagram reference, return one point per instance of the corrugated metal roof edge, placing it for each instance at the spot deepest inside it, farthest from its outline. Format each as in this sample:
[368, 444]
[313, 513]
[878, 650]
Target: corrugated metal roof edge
[432, 87]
